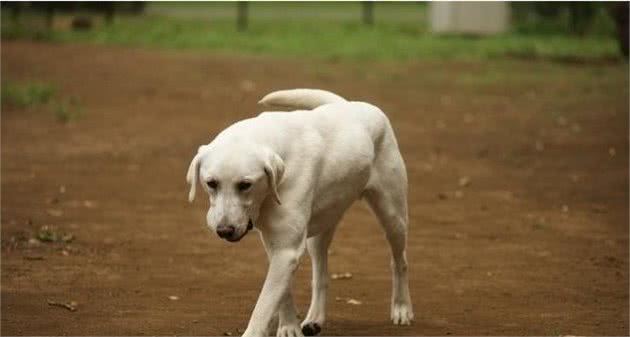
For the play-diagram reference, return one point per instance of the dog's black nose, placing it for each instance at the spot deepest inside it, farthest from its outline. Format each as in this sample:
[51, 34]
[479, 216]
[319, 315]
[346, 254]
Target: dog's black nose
[225, 231]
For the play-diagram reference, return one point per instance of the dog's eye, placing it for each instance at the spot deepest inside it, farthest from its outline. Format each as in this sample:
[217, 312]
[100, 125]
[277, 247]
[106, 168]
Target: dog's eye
[243, 186]
[213, 184]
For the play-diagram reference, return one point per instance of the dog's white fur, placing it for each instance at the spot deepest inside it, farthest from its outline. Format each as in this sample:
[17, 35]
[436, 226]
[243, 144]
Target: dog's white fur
[306, 168]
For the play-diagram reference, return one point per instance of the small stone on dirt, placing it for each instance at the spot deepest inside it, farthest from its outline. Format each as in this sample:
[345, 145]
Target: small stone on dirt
[89, 204]
[459, 194]
[173, 298]
[227, 333]
[62, 189]
[565, 208]
[464, 181]
[442, 196]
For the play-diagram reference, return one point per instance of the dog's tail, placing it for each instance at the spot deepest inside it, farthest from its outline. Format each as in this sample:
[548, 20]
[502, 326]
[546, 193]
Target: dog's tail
[300, 98]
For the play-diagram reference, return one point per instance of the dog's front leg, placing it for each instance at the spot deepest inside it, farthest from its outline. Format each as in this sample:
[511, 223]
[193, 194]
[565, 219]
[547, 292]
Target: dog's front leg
[282, 265]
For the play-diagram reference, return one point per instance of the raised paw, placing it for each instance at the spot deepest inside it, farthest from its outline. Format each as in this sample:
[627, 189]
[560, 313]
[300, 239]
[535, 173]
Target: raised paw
[402, 314]
[311, 329]
[289, 331]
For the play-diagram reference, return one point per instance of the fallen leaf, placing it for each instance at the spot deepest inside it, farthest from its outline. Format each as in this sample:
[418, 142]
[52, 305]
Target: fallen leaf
[72, 305]
[67, 237]
[89, 204]
[562, 121]
[47, 234]
[612, 152]
[353, 301]
[348, 300]
[341, 276]
[247, 85]
[52, 201]
[575, 127]
[599, 208]
[55, 212]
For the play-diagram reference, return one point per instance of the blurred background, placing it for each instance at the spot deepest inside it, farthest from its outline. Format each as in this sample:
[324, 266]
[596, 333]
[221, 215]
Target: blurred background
[512, 118]
[366, 30]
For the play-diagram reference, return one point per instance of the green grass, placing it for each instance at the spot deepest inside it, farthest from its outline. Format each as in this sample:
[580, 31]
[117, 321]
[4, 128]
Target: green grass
[33, 94]
[26, 94]
[400, 33]
[67, 110]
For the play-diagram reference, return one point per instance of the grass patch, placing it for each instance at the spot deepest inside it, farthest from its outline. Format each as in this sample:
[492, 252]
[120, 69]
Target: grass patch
[26, 94]
[32, 94]
[67, 110]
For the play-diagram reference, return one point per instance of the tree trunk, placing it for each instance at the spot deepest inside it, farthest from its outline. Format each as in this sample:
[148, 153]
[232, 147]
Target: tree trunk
[368, 12]
[241, 19]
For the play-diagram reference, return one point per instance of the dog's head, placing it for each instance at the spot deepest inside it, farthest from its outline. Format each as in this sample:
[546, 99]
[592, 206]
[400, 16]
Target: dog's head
[238, 179]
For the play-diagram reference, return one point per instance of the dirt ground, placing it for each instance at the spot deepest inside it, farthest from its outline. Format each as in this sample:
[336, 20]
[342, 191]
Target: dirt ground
[518, 196]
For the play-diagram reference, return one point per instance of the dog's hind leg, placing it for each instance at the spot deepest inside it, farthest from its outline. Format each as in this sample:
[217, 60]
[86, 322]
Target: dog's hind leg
[317, 247]
[387, 196]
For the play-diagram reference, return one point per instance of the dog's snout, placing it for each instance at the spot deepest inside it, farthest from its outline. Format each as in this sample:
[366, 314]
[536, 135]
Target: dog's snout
[225, 231]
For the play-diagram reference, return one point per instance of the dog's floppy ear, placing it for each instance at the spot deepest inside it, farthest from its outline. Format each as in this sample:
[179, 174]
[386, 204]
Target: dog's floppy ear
[193, 173]
[274, 169]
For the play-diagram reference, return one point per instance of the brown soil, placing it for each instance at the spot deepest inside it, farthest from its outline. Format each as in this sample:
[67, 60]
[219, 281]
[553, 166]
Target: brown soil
[535, 243]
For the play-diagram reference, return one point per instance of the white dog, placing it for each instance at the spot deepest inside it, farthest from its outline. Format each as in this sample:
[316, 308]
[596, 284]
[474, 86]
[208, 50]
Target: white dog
[292, 175]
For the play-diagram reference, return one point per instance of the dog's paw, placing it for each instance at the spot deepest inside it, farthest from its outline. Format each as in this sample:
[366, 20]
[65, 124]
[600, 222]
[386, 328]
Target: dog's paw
[402, 314]
[311, 329]
[289, 331]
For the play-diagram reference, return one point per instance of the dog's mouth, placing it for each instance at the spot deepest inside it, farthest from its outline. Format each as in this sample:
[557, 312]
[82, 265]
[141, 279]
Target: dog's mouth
[250, 226]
